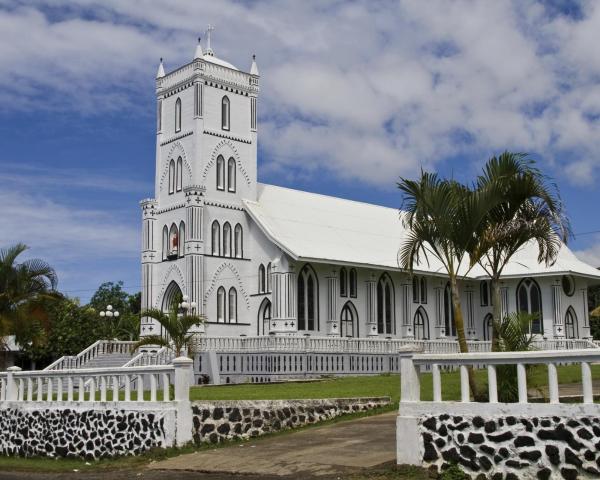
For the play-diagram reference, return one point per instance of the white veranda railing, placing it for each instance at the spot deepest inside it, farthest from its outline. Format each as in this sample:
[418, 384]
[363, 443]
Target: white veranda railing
[96, 349]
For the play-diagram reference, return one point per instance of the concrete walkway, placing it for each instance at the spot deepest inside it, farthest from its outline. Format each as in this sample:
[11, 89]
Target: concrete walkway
[332, 449]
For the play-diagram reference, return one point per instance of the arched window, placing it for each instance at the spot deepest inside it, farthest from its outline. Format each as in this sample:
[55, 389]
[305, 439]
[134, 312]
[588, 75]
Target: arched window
[423, 287]
[173, 241]
[179, 174]
[352, 277]
[220, 173]
[261, 278]
[221, 304]
[264, 317]
[349, 321]
[178, 115]
[308, 299]
[225, 113]
[231, 175]
[232, 305]
[239, 241]
[165, 243]
[484, 293]
[171, 176]
[343, 282]
[488, 325]
[226, 239]
[181, 239]
[385, 305]
[571, 327]
[421, 324]
[415, 289]
[269, 277]
[449, 323]
[216, 238]
[529, 300]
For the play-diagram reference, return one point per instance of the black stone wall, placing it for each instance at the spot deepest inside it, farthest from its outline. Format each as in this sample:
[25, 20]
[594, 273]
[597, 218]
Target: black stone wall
[89, 434]
[510, 448]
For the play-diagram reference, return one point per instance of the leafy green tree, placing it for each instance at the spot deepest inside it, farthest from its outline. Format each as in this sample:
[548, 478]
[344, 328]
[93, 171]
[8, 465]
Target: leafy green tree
[126, 325]
[441, 217]
[530, 210]
[25, 288]
[176, 326]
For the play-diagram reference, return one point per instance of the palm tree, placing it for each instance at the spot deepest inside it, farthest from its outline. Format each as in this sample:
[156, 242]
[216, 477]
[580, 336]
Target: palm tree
[530, 210]
[441, 217]
[23, 288]
[177, 327]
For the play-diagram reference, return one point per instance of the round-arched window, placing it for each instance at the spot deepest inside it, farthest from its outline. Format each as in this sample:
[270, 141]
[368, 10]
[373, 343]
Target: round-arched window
[568, 285]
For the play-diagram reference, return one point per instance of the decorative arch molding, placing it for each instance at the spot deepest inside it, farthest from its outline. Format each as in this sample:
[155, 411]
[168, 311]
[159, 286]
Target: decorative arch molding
[227, 149]
[173, 275]
[175, 151]
[236, 274]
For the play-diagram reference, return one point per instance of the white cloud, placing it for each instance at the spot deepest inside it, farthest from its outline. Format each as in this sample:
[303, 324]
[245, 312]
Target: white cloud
[365, 90]
[591, 254]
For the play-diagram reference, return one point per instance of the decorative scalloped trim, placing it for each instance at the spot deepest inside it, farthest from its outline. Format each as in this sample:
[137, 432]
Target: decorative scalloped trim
[213, 282]
[228, 206]
[217, 151]
[176, 145]
[173, 273]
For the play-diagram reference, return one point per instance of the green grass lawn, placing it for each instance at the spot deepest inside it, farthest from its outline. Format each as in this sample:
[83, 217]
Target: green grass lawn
[369, 386]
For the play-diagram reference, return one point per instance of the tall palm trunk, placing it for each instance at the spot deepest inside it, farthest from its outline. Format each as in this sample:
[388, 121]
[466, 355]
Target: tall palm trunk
[460, 330]
[496, 312]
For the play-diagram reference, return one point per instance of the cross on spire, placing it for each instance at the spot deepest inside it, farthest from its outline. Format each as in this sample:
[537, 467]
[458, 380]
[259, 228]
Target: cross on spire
[209, 30]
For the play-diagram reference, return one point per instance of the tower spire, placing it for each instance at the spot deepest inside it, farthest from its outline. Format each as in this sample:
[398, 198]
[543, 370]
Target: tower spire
[254, 67]
[198, 53]
[161, 70]
[209, 50]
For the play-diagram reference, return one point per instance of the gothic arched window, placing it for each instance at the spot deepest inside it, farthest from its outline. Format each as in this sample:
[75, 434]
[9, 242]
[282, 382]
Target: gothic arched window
[308, 299]
[221, 304]
[415, 289]
[231, 175]
[352, 278]
[171, 176]
[488, 325]
[225, 113]
[216, 238]
[449, 323]
[385, 305]
[529, 300]
[181, 239]
[423, 288]
[261, 278]
[264, 317]
[349, 321]
[226, 239]
[421, 324]
[178, 115]
[239, 241]
[343, 282]
[269, 277]
[179, 175]
[220, 173]
[232, 305]
[571, 327]
[165, 243]
[484, 293]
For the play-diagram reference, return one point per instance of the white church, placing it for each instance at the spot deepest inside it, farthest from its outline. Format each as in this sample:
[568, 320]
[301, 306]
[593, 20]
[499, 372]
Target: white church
[261, 260]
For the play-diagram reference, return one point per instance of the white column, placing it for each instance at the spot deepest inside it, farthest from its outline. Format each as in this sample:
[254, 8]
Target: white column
[150, 255]
[439, 313]
[371, 306]
[284, 301]
[557, 320]
[406, 312]
[333, 324]
[193, 248]
[184, 373]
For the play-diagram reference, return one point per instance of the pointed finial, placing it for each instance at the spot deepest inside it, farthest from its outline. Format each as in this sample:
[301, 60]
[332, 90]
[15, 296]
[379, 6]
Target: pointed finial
[198, 53]
[209, 50]
[161, 69]
[254, 67]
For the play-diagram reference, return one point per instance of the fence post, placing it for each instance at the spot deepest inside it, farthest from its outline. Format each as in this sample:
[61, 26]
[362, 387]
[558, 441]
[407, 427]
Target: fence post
[410, 384]
[184, 372]
[12, 389]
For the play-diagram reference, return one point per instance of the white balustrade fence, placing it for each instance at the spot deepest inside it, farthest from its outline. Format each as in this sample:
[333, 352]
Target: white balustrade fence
[96, 349]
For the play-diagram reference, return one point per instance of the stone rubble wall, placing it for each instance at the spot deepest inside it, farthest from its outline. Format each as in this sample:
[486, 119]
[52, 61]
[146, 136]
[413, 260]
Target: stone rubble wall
[513, 448]
[215, 422]
[83, 431]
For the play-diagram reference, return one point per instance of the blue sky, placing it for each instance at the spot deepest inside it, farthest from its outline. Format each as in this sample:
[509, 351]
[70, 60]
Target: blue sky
[353, 95]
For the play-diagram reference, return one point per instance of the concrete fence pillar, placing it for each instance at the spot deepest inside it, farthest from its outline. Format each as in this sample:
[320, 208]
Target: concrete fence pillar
[12, 389]
[410, 383]
[184, 372]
